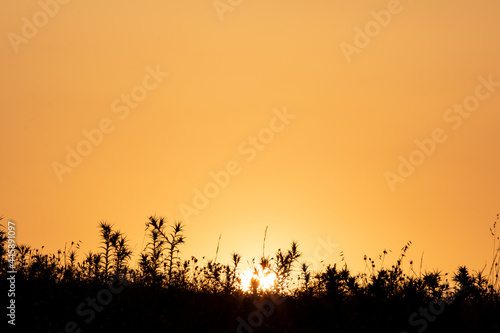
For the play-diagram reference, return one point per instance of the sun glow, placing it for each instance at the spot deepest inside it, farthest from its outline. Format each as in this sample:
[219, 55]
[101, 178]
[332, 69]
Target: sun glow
[263, 280]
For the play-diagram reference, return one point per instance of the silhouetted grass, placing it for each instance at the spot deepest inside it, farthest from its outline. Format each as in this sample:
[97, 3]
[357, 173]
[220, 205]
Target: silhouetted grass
[104, 293]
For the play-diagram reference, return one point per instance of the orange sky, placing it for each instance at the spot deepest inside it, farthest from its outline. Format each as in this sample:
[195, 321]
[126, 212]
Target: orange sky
[356, 101]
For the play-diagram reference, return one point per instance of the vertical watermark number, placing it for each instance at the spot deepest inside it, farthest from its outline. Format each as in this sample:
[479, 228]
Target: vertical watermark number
[11, 273]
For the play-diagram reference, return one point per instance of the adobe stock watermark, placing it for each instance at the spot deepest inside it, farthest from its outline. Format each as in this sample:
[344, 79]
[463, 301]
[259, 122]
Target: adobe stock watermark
[223, 6]
[454, 116]
[30, 27]
[11, 272]
[121, 106]
[363, 37]
[248, 149]
[323, 251]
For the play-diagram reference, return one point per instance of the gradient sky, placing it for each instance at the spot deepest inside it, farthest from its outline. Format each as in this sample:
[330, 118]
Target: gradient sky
[322, 177]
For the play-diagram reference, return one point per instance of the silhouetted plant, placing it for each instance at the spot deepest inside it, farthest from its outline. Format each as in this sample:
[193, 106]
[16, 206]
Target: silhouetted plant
[150, 262]
[305, 276]
[433, 284]
[44, 267]
[213, 273]
[493, 276]
[174, 239]
[351, 301]
[152, 259]
[284, 265]
[91, 266]
[218, 278]
[23, 256]
[121, 254]
[232, 280]
[69, 270]
[337, 283]
[108, 243]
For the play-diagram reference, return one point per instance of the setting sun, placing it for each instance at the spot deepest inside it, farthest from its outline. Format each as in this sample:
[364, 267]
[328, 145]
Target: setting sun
[264, 280]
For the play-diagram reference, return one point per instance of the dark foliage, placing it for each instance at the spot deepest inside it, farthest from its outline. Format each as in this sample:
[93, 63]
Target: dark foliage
[103, 293]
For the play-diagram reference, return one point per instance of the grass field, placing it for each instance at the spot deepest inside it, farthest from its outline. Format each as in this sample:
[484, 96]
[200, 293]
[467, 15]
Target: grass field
[162, 292]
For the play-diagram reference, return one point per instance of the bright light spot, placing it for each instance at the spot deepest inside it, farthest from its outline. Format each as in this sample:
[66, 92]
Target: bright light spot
[266, 279]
